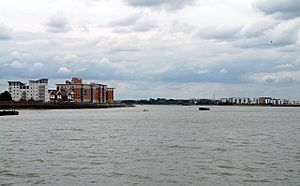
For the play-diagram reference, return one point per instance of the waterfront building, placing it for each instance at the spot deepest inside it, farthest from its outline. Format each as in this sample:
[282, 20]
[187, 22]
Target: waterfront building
[110, 95]
[239, 100]
[78, 91]
[61, 96]
[254, 101]
[37, 90]
[223, 100]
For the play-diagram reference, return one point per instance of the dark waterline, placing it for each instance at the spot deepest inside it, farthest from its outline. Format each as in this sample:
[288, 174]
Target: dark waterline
[169, 145]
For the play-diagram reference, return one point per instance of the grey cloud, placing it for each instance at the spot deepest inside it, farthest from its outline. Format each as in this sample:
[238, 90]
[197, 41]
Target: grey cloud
[169, 5]
[258, 28]
[281, 77]
[144, 26]
[134, 23]
[132, 19]
[58, 23]
[219, 33]
[5, 32]
[284, 9]
[281, 35]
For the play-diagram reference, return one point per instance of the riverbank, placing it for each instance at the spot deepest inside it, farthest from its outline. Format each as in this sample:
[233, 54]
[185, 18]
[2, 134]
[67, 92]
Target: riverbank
[228, 105]
[39, 105]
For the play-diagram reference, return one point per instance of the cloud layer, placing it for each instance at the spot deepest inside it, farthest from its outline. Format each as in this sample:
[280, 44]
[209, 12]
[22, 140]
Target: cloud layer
[170, 5]
[284, 9]
[179, 49]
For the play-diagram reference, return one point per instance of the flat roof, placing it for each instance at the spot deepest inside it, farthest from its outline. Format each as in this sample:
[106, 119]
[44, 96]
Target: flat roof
[79, 84]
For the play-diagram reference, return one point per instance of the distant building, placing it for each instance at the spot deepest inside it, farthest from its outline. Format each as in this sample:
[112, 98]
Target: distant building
[77, 91]
[223, 100]
[239, 100]
[110, 95]
[61, 96]
[37, 90]
[254, 101]
[261, 100]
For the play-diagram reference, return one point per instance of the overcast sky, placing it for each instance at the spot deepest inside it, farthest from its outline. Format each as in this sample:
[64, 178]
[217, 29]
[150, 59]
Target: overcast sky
[156, 48]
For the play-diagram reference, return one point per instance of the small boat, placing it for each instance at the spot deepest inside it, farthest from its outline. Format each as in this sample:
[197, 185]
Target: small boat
[8, 112]
[204, 108]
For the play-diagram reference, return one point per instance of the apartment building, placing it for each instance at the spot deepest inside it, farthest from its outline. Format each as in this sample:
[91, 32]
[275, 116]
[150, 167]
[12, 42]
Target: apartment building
[239, 100]
[37, 90]
[83, 92]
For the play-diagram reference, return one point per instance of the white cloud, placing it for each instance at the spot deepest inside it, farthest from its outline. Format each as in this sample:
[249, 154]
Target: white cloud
[283, 66]
[17, 64]
[19, 55]
[64, 70]
[204, 71]
[223, 71]
[38, 65]
[71, 58]
[277, 77]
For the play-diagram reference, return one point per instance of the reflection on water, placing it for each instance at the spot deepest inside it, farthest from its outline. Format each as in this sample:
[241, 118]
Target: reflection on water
[169, 145]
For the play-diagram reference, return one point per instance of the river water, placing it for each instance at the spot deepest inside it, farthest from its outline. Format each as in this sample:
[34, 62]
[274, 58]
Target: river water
[169, 145]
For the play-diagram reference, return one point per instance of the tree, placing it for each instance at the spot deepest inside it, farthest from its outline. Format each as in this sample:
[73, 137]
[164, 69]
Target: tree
[5, 96]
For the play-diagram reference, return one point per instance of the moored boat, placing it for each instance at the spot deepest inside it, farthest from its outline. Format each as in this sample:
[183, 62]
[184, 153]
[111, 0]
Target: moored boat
[8, 112]
[204, 108]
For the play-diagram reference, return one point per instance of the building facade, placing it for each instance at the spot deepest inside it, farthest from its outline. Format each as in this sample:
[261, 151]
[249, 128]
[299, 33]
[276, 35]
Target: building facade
[239, 100]
[37, 90]
[83, 92]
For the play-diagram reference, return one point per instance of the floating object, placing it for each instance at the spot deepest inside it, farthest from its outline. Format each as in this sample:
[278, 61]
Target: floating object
[8, 112]
[204, 108]
[145, 110]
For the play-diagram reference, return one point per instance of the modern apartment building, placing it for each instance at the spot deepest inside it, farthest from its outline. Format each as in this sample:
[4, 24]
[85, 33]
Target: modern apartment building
[83, 92]
[239, 100]
[37, 90]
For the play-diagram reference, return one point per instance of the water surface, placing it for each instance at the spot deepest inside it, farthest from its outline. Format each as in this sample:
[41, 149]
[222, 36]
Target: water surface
[169, 145]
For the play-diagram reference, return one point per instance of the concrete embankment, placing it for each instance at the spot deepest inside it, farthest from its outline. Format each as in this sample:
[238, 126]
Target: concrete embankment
[38, 105]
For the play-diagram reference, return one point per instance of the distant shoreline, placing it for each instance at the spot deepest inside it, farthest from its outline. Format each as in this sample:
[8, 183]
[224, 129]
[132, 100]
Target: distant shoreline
[242, 105]
[39, 105]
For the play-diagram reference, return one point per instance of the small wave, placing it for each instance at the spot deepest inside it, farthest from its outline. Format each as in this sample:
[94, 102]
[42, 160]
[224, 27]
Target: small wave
[222, 173]
[183, 147]
[96, 163]
[70, 175]
[140, 176]
[117, 173]
[257, 181]
[226, 167]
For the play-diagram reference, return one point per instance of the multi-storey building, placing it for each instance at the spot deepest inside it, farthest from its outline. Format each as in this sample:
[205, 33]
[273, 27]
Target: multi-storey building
[87, 93]
[239, 100]
[37, 90]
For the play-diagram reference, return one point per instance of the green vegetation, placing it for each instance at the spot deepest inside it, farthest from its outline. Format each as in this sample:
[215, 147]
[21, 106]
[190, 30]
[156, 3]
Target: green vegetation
[164, 101]
[5, 96]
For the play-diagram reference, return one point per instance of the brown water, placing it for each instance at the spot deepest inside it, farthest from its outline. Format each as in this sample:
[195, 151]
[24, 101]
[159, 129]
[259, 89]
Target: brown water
[169, 145]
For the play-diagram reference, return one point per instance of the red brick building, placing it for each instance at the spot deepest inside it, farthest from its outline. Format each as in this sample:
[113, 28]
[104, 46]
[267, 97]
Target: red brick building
[87, 93]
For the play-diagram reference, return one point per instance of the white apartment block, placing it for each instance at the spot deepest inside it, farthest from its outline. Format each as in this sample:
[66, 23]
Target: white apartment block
[239, 100]
[37, 90]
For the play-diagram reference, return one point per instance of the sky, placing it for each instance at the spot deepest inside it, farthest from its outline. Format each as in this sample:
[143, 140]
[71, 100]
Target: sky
[156, 48]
